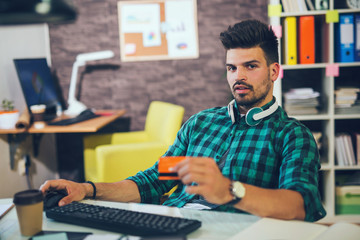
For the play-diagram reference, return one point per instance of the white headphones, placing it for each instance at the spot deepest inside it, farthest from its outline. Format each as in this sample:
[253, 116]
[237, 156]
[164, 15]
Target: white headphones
[255, 115]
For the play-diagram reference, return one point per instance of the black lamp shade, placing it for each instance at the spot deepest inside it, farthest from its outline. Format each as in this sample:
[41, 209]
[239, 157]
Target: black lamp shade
[36, 11]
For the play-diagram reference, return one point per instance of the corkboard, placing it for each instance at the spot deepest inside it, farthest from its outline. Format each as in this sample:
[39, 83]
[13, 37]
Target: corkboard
[158, 30]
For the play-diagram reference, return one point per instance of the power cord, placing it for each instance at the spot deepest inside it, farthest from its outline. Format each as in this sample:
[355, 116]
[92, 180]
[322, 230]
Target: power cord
[27, 171]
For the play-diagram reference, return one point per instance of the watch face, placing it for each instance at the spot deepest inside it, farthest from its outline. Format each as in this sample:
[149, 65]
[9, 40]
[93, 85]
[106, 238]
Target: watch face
[238, 189]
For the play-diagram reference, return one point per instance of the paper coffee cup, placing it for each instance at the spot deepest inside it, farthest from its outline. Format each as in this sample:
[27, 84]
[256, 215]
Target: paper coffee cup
[38, 112]
[29, 208]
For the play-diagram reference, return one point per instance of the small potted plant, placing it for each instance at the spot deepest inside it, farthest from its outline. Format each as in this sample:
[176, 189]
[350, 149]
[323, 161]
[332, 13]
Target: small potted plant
[8, 114]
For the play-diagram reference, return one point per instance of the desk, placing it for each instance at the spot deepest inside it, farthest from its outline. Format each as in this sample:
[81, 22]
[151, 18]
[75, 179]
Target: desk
[15, 136]
[91, 125]
[215, 225]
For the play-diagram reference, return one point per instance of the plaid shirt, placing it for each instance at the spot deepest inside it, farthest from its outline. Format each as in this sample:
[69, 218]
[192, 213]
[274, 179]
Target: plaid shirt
[278, 153]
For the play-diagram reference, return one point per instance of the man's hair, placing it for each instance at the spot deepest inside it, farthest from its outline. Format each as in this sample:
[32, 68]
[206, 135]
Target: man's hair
[249, 34]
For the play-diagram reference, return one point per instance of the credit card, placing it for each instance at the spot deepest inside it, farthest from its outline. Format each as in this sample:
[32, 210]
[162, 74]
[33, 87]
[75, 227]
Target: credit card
[165, 163]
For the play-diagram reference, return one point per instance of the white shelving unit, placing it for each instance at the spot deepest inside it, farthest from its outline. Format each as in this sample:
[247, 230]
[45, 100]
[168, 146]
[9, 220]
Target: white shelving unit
[327, 121]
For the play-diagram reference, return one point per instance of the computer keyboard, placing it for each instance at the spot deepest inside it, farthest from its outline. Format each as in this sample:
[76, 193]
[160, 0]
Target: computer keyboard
[83, 116]
[122, 221]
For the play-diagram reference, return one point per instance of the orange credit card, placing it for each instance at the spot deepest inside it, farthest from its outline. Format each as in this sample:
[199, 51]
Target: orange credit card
[165, 163]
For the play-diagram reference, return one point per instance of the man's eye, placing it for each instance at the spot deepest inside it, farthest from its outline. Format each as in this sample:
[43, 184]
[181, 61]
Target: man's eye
[231, 68]
[251, 66]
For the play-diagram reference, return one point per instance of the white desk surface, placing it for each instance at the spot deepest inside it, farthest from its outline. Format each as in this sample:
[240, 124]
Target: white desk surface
[215, 225]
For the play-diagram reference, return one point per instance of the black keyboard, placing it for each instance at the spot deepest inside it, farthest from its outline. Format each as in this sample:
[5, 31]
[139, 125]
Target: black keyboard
[83, 116]
[122, 221]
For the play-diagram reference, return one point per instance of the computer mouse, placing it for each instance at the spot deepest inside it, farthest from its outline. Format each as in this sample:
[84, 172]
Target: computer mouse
[52, 199]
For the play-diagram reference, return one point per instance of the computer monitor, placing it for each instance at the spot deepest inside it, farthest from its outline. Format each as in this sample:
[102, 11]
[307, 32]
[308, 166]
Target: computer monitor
[37, 84]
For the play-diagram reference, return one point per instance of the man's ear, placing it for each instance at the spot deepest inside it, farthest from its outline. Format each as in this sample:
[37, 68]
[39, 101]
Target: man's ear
[274, 71]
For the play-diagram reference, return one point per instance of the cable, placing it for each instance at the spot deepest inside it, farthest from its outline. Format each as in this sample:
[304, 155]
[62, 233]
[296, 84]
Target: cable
[27, 171]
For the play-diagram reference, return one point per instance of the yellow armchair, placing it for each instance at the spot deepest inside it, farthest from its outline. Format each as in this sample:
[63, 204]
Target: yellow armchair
[114, 157]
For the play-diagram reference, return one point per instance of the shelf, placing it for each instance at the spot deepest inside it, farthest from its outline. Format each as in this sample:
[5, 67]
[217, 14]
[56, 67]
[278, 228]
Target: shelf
[311, 117]
[307, 13]
[305, 66]
[325, 167]
[356, 167]
[349, 64]
[316, 12]
[350, 10]
[347, 116]
[329, 121]
[318, 65]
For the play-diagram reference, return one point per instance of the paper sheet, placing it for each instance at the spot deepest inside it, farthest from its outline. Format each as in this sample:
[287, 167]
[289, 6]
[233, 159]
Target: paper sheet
[268, 228]
[4, 208]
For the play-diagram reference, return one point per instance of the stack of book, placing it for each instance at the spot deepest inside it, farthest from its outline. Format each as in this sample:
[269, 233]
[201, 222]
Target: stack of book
[347, 153]
[347, 100]
[301, 101]
[304, 5]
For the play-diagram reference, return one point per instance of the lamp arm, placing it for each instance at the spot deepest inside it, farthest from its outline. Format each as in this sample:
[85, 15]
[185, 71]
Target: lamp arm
[73, 80]
[75, 107]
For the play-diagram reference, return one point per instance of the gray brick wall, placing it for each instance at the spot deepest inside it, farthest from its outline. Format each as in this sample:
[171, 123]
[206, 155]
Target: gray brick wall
[196, 84]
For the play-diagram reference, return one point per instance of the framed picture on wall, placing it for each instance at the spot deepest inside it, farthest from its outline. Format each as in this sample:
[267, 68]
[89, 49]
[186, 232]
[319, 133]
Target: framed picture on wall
[158, 30]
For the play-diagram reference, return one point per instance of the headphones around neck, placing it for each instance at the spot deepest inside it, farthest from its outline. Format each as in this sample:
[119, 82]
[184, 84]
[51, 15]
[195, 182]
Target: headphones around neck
[255, 115]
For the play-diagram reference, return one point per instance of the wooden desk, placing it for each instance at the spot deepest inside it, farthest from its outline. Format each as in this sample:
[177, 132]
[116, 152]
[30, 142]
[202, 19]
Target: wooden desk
[91, 125]
[16, 136]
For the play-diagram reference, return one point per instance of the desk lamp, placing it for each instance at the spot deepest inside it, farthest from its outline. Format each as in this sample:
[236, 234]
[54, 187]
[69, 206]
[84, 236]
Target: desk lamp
[75, 107]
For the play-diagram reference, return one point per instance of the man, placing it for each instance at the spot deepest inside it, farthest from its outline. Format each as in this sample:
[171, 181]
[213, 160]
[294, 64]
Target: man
[237, 162]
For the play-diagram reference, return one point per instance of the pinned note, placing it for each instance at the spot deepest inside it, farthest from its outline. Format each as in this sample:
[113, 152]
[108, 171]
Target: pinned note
[332, 16]
[332, 70]
[274, 10]
[130, 48]
[277, 30]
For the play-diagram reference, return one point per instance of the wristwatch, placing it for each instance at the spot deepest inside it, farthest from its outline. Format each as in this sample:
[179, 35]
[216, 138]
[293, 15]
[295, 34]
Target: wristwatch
[237, 190]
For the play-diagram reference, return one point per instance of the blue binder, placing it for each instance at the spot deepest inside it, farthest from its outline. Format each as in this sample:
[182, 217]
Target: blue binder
[357, 37]
[345, 38]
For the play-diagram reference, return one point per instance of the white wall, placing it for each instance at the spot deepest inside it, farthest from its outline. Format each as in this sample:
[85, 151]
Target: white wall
[23, 41]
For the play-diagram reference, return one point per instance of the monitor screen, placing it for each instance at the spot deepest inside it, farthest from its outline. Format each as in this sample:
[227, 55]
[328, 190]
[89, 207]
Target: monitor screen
[36, 82]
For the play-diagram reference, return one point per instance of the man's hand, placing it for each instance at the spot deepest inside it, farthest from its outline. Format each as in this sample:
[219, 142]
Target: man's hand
[75, 191]
[211, 184]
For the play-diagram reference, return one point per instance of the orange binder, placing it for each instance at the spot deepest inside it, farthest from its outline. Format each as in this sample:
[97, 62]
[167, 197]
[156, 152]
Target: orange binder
[306, 39]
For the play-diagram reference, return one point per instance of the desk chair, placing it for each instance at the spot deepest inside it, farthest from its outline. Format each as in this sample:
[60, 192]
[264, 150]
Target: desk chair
[114, 157]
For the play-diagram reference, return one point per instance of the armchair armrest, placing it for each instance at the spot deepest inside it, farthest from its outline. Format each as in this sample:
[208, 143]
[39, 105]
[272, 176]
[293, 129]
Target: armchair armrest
[117, 162]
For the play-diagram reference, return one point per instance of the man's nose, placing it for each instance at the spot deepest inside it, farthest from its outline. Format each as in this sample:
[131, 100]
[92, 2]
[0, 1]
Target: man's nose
[240, 74]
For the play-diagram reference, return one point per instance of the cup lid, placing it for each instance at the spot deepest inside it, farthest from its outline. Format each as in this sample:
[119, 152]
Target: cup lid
[28, 197]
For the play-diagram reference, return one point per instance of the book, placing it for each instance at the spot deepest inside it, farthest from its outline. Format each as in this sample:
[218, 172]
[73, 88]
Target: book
[298, 101]
[350, 155]
[310, 5]
[356, 140]
[301, 5]
[285, 5]
[268, 228]
[344, 150]
[339, 151]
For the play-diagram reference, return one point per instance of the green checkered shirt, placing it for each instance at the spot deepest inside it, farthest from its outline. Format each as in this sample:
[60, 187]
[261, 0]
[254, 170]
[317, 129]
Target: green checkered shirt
[278, 153]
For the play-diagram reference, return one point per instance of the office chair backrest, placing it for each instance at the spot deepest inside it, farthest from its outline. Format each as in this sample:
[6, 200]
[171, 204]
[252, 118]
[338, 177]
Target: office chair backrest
[163, 121]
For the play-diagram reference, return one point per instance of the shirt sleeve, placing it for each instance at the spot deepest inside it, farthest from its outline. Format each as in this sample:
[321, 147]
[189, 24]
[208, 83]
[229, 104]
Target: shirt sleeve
[300, 168]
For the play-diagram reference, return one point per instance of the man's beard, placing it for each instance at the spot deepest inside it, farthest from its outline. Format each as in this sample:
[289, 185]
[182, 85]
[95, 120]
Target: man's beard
[243, 100]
